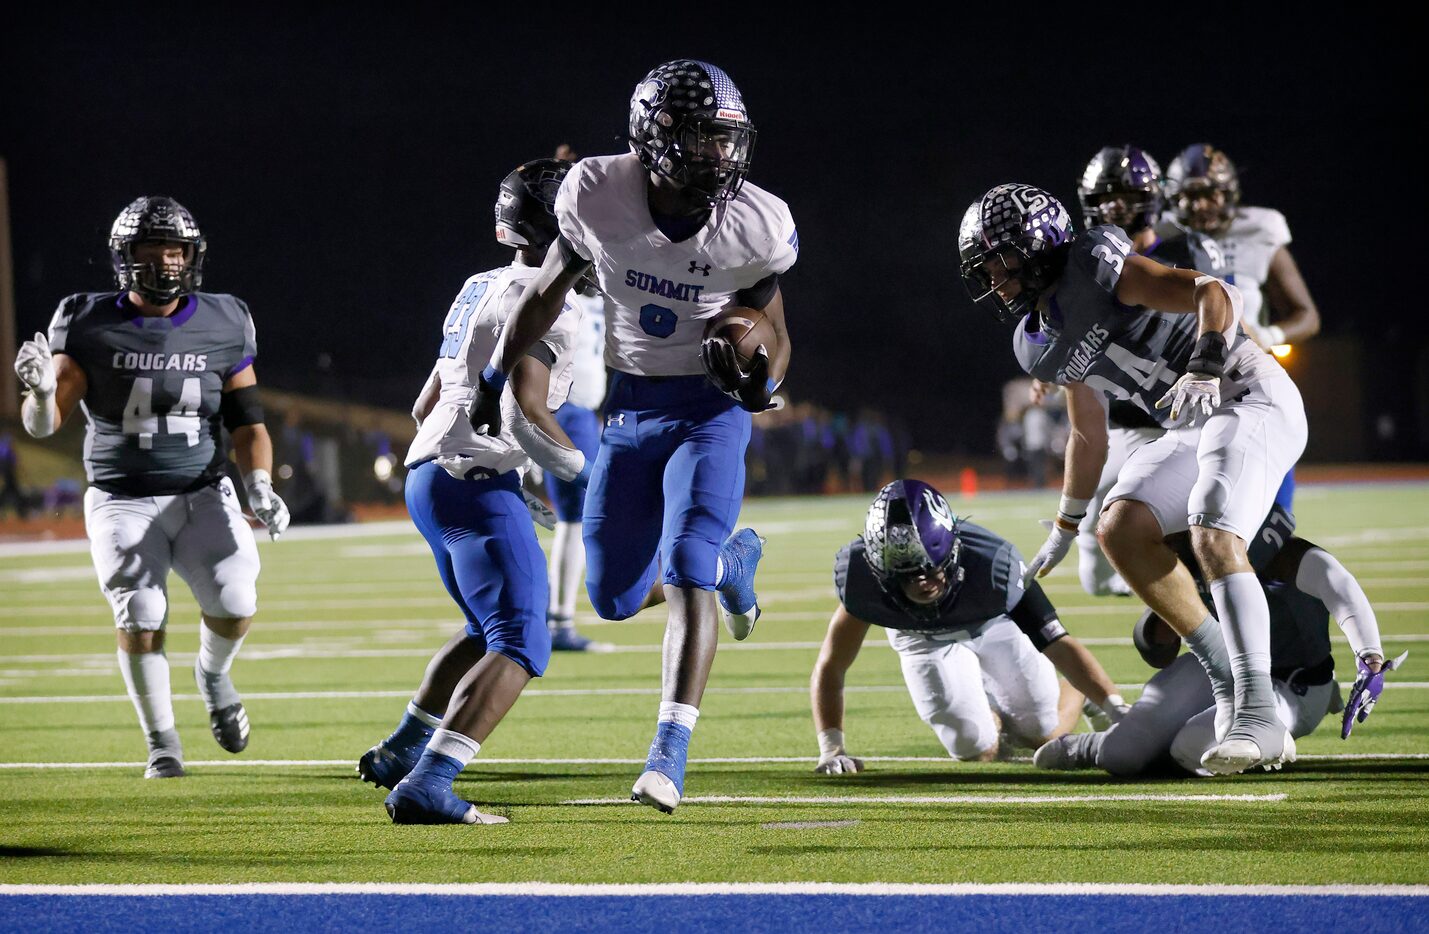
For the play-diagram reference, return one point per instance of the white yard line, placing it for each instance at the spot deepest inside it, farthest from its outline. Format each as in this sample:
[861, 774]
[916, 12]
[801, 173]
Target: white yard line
[941, 799]
[648, 889]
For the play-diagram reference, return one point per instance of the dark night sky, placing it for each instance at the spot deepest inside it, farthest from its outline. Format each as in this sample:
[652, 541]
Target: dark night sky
[344, 165]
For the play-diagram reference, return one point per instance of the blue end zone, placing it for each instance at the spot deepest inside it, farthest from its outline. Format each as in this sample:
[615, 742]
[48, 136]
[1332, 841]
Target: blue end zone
[717, 914]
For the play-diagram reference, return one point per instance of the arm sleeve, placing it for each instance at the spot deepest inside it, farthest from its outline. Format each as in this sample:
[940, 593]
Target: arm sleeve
[553, 457]
[1037, 618]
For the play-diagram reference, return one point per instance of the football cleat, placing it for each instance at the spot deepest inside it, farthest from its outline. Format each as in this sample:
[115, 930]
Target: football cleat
[662, 784]
[739, 604]
[1065, 753]
[166, 755]
[566, 639]
[416, 803]
[385, 767]
[1234, 755]
[230, 727]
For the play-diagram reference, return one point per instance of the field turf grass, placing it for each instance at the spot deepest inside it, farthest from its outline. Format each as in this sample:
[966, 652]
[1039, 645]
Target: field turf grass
[347, 624]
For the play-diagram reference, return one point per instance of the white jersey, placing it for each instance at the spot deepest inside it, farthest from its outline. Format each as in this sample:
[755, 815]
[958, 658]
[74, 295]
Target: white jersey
[1250, 243]
[662, 293]
[588, 366]
[469, 335]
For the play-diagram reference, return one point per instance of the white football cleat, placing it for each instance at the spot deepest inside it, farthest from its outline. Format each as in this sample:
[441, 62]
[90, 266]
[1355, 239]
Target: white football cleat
[657, 790]
[1236, 755]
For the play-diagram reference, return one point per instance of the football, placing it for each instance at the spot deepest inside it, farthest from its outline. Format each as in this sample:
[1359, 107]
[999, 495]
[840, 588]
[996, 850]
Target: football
[745, 329]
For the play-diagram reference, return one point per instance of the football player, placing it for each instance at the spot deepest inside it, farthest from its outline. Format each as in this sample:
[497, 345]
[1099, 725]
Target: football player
[1080, 306]
[1304, 586]
[1121, 186]
[464, 495]
[579, 418]
[1205, 196]
[161, 370]
[673, 234]
[967, 631]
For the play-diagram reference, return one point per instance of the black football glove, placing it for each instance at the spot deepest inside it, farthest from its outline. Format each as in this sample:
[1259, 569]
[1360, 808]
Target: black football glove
[752, 389]
[484, 409]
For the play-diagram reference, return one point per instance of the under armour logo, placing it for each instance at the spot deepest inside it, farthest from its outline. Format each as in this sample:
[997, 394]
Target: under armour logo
[617, 418]
[696, 267]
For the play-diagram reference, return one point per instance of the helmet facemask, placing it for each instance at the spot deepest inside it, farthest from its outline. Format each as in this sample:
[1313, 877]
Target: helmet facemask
[156, 220]
[1013, 222]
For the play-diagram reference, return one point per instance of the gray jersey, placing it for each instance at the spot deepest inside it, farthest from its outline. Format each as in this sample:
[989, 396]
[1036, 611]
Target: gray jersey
[1128, 353]
[154, 386]
[991, 585]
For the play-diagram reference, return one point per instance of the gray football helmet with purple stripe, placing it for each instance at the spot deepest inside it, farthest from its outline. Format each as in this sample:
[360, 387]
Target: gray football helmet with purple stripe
[688, 123]
[910, 531]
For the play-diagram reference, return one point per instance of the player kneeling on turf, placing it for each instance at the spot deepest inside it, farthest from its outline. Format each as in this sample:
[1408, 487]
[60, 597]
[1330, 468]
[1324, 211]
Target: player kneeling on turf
[966, 631]
[162, 370]
[465, 498]
[1304, 586]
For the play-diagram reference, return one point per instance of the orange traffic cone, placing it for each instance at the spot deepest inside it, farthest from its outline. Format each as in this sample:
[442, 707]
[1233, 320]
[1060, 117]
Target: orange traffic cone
[967, 482]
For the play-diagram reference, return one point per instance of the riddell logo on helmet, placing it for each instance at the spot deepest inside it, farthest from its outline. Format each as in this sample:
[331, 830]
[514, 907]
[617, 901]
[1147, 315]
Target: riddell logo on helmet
[724, 113]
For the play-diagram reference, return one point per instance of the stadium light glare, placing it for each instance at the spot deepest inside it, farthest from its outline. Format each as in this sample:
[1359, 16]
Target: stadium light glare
[1281, 351]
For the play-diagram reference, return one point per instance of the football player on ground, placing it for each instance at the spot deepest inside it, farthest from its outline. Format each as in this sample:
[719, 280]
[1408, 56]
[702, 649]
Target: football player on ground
[966, 629]
[1204, 188]
[161, 369]
[579, 418]
[1080, 307]
[673, 234]
[465, 497]
[1121, 186]
[1304, 586]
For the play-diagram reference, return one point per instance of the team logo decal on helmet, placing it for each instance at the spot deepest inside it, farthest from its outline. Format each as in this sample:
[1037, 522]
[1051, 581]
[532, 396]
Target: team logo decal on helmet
[526, 204]
[151, 219]
[910, 531]
[1204, 187]
[1121, 185]
[688, 123]
[1018, 223]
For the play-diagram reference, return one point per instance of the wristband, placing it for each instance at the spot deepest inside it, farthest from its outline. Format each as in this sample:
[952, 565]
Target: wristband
[1209, 355]
[493, 377]
[1072, 509]
[831, 743]
[583, 478]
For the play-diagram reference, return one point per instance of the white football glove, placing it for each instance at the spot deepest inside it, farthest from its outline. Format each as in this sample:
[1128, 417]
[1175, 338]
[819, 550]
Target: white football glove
[833, 760]
[1059, 542]
[267, 505]
[35, 366]
[1198, 394]
[1264, 337]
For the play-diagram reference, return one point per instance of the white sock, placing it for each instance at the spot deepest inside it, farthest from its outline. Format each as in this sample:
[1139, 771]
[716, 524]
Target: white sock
[1323, 577]
[1245, 623]
[567, 569]
[455, 745]
[430, 720]
[215, 652]
[146, 676]
[683, 714]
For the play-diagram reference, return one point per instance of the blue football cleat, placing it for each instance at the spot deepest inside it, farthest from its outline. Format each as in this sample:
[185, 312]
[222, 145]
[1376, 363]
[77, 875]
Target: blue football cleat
[566, 639]
[385, 767]
[739, 604]
[662, 784]
[420, 803]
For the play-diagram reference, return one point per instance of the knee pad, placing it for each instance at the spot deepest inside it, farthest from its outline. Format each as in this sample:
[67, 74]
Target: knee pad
[693, 563]
[144, 609]
[615, 606]
[235, 601]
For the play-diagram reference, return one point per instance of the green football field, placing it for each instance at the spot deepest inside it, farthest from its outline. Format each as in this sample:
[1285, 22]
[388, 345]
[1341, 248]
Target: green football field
[345, 628]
